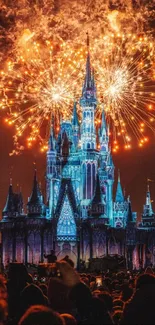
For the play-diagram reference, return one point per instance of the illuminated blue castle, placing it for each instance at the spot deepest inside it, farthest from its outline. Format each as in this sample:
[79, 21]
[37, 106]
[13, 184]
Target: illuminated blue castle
[79, 176]
[81, 218]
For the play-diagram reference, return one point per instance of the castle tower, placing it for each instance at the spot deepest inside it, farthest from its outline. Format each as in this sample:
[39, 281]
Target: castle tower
[89, 159]
[35, 205]
[109, 187]
[119, 193]
[103, 136]
[51, 171]
[75, 127]
[97, 206]
[120, 206]
[147, 209]
[9, 206]
[88, 103]
[148, 216]
[14, 203]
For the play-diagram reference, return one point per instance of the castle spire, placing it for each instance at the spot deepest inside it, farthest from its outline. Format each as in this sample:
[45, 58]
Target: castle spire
[88, 103]
[119, 193]
[97, 207]
[9, 206]
[36, 196]
[14, 203]
[147, 210]
[89, 89]
[103, 123]
[65, 146]
[87, 40]
[75, 121]
[75, 126]
[103, 135]
[129, 218]
[119, 178]
[51, 142]
[97, 196]
[88, 67]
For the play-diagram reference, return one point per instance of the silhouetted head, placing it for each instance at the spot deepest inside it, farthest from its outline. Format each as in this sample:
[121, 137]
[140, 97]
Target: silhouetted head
[69, 319]
[145, 279]
[41, 315]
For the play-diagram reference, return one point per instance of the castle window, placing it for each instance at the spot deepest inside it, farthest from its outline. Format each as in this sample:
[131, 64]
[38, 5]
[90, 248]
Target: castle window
[84, 180]
[89, 181]
[93, 177]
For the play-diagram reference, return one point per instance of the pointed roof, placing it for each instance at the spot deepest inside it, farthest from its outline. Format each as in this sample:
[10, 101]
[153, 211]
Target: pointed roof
[93, 78]
[89, 89]
[88, 77]
[129, 218]
[103, 123]
[36, 196]
[65, 143]
[148, 206]
[51, 141]
[119, 193]
[109, 159]
[66, 188]
[66, 226]
[14, 203]
[96, 206]
[148, 196]
[75, 120]
[97, 195]
[9, 206]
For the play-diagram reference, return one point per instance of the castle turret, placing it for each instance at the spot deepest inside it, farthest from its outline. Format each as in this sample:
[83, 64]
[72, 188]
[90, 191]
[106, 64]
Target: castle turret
[103, 135]
[129, 219]
[88, 103]
[119, 193]
[110, 181]
[120, 206]
[51, 142]
[88, 134]
[97, 207]
[14, 203]
[35, 205]
[75, 126]
[65, 145]
[9, 206]
[147, 209]
[148, 216]
[51, 163]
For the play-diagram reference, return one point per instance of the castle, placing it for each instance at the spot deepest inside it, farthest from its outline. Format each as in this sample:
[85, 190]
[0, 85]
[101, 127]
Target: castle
[81, 218]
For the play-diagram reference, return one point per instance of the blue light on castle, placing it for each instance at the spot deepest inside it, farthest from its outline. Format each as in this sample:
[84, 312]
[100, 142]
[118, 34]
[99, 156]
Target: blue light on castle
[81, 217]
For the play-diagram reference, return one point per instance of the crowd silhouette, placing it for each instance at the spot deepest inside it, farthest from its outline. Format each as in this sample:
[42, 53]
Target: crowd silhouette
[64, 296]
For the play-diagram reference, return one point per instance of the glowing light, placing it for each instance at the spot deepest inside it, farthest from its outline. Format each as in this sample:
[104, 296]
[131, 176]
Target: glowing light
[44, 64]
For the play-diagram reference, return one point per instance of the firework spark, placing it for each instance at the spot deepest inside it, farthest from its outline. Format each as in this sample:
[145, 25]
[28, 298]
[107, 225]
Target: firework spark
[38, 87]
[125, 73]
[43, 59]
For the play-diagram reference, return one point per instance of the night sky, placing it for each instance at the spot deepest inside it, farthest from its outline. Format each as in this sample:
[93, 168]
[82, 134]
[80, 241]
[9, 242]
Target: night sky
[68, 19]
[135, 166]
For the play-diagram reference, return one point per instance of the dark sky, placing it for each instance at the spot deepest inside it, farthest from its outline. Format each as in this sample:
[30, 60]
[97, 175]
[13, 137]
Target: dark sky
[135, 166]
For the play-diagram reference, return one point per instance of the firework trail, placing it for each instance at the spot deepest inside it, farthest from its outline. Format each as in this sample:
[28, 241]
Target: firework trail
[42, 64]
